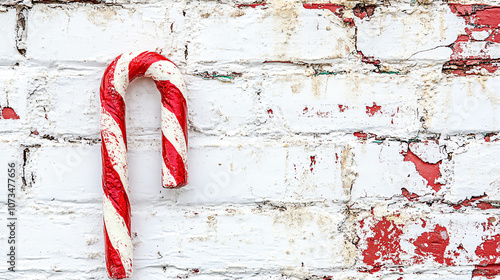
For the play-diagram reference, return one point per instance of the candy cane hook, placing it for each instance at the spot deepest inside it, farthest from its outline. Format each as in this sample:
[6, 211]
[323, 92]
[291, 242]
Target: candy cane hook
[168, 80]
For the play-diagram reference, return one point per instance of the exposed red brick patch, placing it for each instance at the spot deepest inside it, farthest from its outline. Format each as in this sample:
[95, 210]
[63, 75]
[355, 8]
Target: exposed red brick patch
[364, 136]
[371, 271]
[468, 202]
[410, 196]
[479, 15]
[342, 108]
[487, 137]
[349, 21]
[9, 113]
[470, 66]
[424, 223]
[489, 254]
[484, 205]
[371, 110]
[475, 202]
[489, 271]
[432, 244]
[362, 11]
[361, 134]
[479, 18]
[369, 59]
[313, 163]
[384, 247]
[334, 8]
[429, 171]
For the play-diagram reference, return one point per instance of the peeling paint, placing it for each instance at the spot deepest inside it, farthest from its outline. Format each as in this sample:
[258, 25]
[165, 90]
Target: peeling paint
[474, 201]
[334, 8]
[408, 195]
[489, 254]
[372, 110]
[471, 51]
[430, 172]
[384, 246]
[432, 244]
[9, 113]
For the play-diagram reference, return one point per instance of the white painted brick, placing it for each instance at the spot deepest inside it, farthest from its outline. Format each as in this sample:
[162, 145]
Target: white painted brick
[259, 174]
[61, 173]
[383, 172]
[222, 108]
[224, 174]
[322, 104]
[66, 102]
[100, 33]
[72, 230]
[170, 236]
[278, 31]
[409, 32]
[474, 173]
[8, 51]
[463, 105]
[460, 234]
[270, 238]
[13, 94]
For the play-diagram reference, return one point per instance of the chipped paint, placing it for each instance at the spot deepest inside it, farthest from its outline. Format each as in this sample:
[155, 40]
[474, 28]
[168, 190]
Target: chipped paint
[384, 246]
[409, 195]
[473, 52]
[429, 171]
[372, 110]
[432, 244]
[9, 113]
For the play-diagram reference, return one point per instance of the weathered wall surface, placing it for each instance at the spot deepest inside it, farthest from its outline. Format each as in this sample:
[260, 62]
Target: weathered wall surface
[345, 140]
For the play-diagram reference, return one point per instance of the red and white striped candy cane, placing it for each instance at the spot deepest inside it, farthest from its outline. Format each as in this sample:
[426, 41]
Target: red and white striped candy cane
[117, 77]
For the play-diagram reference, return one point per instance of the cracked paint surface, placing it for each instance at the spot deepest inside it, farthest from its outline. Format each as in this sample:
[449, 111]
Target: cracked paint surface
[329, 140]
[475, 51]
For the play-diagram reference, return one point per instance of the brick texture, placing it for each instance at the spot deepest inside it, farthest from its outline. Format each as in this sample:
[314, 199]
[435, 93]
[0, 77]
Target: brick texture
[327, 140]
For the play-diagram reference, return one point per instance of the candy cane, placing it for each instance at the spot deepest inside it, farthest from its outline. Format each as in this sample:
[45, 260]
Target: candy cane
[168, 80]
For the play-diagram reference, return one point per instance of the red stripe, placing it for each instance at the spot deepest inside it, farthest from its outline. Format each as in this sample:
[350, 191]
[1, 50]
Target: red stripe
[173, 100]
[113, 187]
[174, 162]
[141, 63]
[111, 100]
[113, 260]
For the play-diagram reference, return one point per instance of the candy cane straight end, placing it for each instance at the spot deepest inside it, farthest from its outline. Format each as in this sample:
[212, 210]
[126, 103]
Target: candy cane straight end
[116, 207]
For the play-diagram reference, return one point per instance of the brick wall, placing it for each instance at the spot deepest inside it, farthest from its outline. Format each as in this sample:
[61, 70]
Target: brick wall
[346, 140]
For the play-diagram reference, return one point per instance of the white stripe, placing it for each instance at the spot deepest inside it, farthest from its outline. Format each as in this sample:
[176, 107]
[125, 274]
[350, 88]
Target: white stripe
[118, 234]
[172, 130]
[121, 78]
[165, 70]
[168, 178]
[115, 145]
